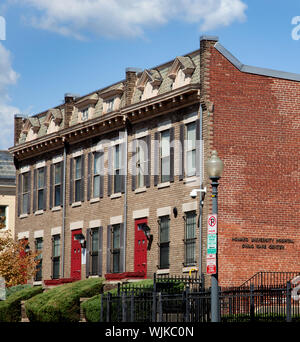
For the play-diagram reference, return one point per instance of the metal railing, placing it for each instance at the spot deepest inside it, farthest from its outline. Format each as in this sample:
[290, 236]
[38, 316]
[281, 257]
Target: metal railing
[189, 302]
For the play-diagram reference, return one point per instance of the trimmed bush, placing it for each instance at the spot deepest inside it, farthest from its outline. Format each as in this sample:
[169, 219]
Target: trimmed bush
[62, 303]
[13, 289]
[92, 307]
[10, 309]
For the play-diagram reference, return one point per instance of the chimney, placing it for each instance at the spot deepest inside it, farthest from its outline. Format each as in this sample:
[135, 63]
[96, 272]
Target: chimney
[131, 78]
[18, 127]
[69, 106]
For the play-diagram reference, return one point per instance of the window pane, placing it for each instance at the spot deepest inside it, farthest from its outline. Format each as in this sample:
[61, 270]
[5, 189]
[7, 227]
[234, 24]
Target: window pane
[56, 268]
[25, 182]
[96, 163]
[25, 203]
[77, 190]
[40, 199]
[164, 255]
[164, 229]
[94, 264]
[116, 236]
[96, 188]
[57, 196]
[116, 262]
[190, 226]
[57, 179]
[165, 169]
[40, 180]
[78, 168]
[95, 240]
[191, 136]
[165, 143]
[191, 163]
[56, 245]
[117, 157]
[117, 181]
[3, 216]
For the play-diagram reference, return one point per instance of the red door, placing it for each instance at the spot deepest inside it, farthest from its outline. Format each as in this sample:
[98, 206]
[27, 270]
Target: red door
[140, 248]
[76, 255]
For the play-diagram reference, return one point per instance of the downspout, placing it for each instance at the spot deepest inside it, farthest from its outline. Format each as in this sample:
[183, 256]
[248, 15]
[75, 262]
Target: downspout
[201, 194]
[64, 208]
[125, 189]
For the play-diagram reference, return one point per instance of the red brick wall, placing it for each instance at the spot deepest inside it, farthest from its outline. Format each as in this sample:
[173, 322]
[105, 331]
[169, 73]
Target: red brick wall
[256, 121]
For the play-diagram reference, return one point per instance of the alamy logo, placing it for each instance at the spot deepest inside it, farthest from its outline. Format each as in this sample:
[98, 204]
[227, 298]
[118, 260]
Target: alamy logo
[296, 29]
[2, 28]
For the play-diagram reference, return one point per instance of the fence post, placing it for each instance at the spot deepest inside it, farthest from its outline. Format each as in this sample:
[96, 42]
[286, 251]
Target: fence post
[132, 307]
[251, 303]
[101, 310]
[108, 307]
[159, 307]
[124, 308]
[187, 304]
[288, 302]
[154, 299]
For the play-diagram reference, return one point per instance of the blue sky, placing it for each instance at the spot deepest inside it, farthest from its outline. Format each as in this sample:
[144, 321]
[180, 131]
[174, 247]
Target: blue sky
[53, 47]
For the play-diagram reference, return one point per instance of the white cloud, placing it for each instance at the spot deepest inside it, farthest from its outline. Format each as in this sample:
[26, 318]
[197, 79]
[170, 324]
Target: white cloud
[7, 77]
[129, 18]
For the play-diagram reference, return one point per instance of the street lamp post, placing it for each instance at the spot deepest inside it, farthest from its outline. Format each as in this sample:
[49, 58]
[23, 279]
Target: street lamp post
[215, 168]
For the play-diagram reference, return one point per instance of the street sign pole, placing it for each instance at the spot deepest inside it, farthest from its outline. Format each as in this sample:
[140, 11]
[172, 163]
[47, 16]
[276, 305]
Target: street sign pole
[215, 302]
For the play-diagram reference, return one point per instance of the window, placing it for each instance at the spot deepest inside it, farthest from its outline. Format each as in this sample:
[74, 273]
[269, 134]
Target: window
[117, 169]
[190, 238]
[78, 175]
[39, 247]
[96, 175]
[165, 156]
[141, 162]
[164, 243]
[55, 256]
[191, 149]
[116, 248]
[57, 183]
[110, 105]
[3, 215]
[85, 114]
[94, 250]
[40, 188]
[25, 192]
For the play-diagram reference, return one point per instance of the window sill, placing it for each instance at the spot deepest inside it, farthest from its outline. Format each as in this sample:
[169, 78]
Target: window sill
[23, 216]
[39, 212]
[116, 195]
[163, 271]
[187, 269]
[191, 179]
[139, 190]
[76, 204]
[95, 200]
[56, 208]
[163, 185]
[35, 283]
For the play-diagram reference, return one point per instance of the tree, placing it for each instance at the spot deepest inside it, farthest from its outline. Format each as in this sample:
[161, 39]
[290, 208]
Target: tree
[17, 262]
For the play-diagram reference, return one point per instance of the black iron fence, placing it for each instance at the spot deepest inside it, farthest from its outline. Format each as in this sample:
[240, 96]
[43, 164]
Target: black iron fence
[180, 299]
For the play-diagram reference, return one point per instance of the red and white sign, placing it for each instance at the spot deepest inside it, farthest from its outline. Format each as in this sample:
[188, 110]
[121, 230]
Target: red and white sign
[212, 224]
[211, 264]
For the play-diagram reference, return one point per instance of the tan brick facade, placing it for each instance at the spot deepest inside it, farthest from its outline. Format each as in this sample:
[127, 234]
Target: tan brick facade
[236, 106]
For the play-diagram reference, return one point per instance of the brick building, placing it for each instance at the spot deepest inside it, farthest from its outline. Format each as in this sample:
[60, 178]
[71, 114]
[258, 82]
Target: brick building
[7, 192]
[106, 166]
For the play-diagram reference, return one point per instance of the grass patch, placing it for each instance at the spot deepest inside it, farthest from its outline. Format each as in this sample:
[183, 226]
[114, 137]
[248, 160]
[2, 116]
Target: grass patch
[62, 303]
[10, 309]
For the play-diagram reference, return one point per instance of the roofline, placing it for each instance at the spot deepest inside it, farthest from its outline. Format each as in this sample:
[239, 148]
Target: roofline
[253, 69]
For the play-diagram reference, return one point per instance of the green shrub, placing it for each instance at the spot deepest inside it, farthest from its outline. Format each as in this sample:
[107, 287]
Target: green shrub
[62, 303]
[11, 290]
[92, 307]
[10, 309]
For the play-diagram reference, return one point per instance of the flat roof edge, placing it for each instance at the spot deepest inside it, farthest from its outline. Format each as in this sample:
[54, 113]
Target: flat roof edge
[255, 70]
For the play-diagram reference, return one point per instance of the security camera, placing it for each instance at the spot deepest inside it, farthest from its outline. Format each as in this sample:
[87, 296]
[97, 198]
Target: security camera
[193, 193]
